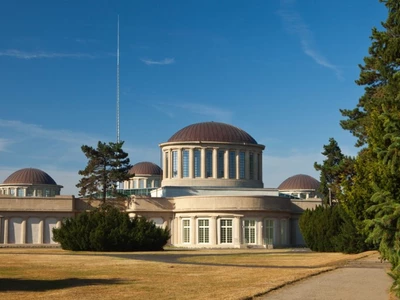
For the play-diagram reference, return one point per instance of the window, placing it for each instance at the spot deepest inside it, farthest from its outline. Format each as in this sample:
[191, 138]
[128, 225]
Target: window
[204, 231]
[20, 192]
[135, 183]
[186, 231]
[249, 231]
[197, 163]
[259, 164]
[269, 232]
[283, 231]
[166, 164]
[209, 163]
[185, 163]
[141, 183]
[232, 164]
[251, 165]
[39, 193]
[226, 231]
[174, 163]
[148, 183]
[242, 165]
[221, 164]
[156, 183]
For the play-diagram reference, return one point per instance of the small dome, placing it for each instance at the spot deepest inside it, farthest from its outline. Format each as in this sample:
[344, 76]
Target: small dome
[212, 132]
[145, 168]
[299, 182]
[29, 176]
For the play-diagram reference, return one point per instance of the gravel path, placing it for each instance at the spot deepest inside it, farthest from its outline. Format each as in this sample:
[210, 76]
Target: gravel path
[363, 279]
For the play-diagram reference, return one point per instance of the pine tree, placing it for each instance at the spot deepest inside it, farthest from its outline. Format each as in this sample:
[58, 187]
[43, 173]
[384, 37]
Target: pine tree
[107, 165]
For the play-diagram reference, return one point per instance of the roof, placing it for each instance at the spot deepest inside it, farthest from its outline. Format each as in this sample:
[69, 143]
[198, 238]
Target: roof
[145, 168]
[212, 132]
[299, 182]
[29, 176]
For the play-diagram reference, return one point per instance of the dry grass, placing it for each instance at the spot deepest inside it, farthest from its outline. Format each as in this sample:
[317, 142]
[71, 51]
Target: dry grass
[218, 274]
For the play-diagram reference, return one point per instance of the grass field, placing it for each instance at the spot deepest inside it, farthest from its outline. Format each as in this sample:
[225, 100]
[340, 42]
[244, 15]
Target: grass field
[173, 274]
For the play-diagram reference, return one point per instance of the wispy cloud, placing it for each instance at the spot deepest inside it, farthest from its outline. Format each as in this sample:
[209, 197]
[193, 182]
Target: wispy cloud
[165, 61]
[4, 143]
[42, 54]
[294, 24]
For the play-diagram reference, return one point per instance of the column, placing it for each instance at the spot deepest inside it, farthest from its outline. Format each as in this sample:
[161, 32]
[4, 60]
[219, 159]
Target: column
[213, 230]
[24, 191]
[255, 157]
[41, 233]
[215, 163]
[179, 163]
[191, 163]
[164, 165]
[203, 162]
[5, 230]
[193, 237]
[247, 165]
[226, 164]
[260, 167]
[237, 231]
[23, 231]
[237, 161]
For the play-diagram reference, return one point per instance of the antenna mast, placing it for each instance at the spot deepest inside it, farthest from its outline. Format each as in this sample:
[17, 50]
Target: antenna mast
[118, 80]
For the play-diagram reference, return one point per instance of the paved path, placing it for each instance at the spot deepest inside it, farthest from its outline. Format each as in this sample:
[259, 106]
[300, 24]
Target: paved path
[363, 279]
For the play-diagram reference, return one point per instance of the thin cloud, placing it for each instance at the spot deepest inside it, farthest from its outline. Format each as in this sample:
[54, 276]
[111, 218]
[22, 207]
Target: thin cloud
[4, 143]
[42, 54]
[294, 24]
[165, 61]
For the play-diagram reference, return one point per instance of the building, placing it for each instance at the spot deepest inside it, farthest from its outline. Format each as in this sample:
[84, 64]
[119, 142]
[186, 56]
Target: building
[209, 193]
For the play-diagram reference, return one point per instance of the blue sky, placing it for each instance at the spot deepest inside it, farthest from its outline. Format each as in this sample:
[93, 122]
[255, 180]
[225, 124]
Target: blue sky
[280, 70]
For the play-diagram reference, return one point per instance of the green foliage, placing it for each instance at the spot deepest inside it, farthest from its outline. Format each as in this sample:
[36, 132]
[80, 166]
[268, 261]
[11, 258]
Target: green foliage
[374, 192]
[330, 229]
[109, 229]
[107, 165]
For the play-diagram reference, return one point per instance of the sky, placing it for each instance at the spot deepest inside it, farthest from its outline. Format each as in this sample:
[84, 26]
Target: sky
[278, 69]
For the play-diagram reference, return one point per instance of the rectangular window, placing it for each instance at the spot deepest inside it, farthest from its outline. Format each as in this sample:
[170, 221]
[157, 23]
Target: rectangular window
[204, 231]
[242, 165]
[148, 183]
[135, 183]
[226, 231]
[20, 192]
[186, 231]
[221, 164]
[197, 163]
[249, 231]
[258, 168]
[141, 183]
[156, 183]
[166, 165]
[269, 232]
[251, 165]
[209, 163]
[174, 163]
[185, 163]
[232, 164]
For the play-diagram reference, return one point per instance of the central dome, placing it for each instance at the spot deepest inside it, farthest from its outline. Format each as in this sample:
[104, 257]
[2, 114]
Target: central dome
[29, 176]
[145, 168]
[212, 132]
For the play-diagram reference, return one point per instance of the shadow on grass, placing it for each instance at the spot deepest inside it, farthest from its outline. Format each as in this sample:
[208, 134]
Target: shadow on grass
[29, 285]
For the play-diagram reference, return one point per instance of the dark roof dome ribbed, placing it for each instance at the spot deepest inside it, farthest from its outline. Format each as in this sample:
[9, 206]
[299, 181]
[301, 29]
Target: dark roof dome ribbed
[29, 176]
[145, 168]
[299, 182]
[212, 132]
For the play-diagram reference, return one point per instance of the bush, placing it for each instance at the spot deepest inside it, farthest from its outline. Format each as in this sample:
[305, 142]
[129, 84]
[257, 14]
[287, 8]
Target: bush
[330, 229]
[109, 229]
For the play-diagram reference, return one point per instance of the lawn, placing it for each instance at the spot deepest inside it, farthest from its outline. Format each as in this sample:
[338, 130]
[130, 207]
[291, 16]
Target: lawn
[173, 274]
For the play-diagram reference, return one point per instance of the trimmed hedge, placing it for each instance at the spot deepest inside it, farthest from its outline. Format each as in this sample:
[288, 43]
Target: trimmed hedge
[109, 229]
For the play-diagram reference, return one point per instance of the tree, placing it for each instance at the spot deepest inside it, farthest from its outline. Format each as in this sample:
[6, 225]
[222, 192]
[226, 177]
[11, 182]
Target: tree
[107, 165]
[376, 124]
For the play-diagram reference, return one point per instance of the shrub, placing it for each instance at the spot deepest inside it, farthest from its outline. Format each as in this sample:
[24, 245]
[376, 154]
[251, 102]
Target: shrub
[109, 229]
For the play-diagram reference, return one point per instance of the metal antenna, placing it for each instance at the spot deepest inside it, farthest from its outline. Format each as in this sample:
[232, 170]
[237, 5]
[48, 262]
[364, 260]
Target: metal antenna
[118, 81]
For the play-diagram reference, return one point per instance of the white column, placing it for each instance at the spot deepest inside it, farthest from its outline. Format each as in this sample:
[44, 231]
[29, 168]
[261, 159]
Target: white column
[25, 191]
[41, 233]
[23, 232]
[215, 163]
[203, 163]
[213, 230]
[179, 163]
[237, 231]
[237, 154]
[193, 237]
[226, 164]
[6, 230]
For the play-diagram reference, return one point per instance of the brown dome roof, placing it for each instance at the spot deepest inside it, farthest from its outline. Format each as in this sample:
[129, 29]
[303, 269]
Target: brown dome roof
[145, 168]
[299, 182]
[212, 132]
[29, 176]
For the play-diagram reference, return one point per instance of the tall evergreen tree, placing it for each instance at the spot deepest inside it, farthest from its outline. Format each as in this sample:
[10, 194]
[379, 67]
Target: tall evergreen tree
[107, 165]
[376, 124]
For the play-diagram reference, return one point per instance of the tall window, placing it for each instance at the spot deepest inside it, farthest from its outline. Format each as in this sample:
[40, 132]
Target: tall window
[166, 164]
[251, 165]
[186, 231]
[250, 231]
[21, 193]
[283, 231]
[221, 164]
[232, 164]
[141, 183]
[269, 232]
[204, 231]
[209, 163]
[226, 231]
[185, 163]
[259, 169]
[242, 164]
[197, 163]
[174, 163]
[135, 183]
